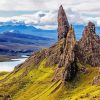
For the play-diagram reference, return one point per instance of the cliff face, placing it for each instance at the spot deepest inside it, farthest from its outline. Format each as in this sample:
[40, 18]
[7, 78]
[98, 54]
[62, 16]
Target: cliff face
[89, 46]
[63, 24]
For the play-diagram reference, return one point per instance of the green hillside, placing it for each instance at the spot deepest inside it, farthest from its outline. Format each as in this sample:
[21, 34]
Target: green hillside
[37, 84]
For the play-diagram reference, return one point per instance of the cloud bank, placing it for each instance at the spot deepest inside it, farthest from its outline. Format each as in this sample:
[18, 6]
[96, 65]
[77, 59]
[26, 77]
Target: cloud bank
[45, 11]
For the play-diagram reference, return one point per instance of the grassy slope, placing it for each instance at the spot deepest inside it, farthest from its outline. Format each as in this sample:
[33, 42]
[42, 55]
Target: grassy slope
[36, 84]
[3, 75]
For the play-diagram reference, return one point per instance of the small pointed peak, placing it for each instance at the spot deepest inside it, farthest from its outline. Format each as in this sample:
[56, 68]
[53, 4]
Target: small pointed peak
[89, 30]
[71, 34]
[61, 9]
[91, 27]
[71, 29]
[61, 6]
[91, 23]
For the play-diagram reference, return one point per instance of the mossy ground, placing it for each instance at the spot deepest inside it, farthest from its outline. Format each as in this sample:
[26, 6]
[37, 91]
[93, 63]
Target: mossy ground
[37, 84]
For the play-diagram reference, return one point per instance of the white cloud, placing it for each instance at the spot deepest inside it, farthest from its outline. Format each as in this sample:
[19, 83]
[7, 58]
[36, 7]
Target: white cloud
[45, 11]
[49, 4]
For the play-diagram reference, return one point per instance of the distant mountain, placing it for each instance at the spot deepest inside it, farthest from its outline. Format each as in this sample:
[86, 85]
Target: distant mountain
[15, 43]
[26, 29]
[31, 30]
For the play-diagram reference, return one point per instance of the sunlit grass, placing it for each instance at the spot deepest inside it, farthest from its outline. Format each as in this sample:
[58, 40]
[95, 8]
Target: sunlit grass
[37, 84]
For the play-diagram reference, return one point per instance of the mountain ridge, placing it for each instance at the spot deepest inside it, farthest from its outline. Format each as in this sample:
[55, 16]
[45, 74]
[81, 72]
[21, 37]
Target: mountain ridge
[29, 29]
[15, 43]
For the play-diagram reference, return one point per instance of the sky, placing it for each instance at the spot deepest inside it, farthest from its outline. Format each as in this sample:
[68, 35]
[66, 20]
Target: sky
[43, 13]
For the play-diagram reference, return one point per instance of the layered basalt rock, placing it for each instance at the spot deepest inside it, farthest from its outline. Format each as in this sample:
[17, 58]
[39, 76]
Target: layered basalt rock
[88, 51]
[63, 24]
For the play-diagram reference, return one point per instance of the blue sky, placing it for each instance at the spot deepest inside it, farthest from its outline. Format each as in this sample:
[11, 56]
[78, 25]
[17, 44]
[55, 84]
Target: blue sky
[43, 13]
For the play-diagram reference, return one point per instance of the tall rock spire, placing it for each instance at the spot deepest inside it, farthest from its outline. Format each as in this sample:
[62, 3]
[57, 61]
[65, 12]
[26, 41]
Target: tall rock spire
[63, 25]
[67, 58]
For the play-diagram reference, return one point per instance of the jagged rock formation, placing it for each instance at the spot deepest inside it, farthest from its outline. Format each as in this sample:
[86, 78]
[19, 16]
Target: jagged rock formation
[63, 25]
[65, 60]
[67, 52]
[88, 51]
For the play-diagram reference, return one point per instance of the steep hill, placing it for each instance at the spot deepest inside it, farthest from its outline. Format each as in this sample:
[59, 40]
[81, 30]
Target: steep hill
[36, 83]
[59, 72]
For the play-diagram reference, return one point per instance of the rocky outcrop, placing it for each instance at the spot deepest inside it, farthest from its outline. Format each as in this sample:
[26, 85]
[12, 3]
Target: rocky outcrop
[63, 25]
[88, 51]
[69, 56]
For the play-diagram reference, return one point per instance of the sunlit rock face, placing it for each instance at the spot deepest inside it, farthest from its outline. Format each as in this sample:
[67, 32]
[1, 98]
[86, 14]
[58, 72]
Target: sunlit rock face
[63, 25]
[89, 46]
